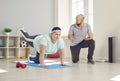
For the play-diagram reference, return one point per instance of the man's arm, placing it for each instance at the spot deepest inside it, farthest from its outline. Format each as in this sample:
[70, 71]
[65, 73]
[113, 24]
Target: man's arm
[70, 36]
[62, 54]
[71, 33]
[90, 36]
[42, 52]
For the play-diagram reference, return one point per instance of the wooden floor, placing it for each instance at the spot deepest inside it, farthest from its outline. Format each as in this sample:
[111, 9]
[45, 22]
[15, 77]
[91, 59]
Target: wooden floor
[80, 72]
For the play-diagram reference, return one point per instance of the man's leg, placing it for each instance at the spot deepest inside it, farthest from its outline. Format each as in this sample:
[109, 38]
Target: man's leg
[75, 50]
[27, 35]
[91, 46]
[28, 38]
[91, 49]
[36, 58]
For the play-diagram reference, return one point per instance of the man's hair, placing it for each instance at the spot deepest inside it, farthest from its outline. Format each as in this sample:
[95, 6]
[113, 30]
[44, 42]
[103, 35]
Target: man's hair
[81, 15]
[56, 28]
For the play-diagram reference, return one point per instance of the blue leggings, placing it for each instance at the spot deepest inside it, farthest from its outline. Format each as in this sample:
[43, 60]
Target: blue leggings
[36, 58]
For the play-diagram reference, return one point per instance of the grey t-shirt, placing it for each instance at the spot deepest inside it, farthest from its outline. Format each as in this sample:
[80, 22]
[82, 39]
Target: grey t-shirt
[78, 33]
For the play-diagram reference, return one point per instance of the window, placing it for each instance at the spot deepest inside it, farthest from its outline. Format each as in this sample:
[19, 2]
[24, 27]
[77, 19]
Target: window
[83, 7]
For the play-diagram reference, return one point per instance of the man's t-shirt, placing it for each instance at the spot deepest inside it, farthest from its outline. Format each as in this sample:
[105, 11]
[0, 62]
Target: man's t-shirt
[51, 48]
[79, 33]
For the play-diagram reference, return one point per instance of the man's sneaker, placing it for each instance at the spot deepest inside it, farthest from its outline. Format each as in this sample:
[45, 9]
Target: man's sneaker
[91, 62]
[28, 59]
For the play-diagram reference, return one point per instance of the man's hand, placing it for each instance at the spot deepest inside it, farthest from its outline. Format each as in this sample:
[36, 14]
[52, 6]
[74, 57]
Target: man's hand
[43, 65]
[70, 37]
[87, 39]
[63, 64]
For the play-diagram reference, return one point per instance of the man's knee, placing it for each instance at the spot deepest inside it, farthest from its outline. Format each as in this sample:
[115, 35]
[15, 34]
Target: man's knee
[92, 42]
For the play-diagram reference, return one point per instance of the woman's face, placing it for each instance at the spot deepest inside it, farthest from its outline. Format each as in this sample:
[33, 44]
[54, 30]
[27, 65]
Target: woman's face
[55, 36]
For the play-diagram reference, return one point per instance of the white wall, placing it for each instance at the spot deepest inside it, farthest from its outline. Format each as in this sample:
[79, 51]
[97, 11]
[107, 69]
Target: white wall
[37, 16]
[106, 23]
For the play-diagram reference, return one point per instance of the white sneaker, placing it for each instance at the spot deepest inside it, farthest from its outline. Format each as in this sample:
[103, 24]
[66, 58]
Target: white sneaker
[28, 59]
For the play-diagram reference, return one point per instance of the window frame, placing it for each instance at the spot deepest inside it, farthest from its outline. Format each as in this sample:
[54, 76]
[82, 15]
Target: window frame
[87, 11]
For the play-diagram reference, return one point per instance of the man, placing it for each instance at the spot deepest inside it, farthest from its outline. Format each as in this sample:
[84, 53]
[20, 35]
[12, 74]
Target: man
[45, 44]
[81, 36]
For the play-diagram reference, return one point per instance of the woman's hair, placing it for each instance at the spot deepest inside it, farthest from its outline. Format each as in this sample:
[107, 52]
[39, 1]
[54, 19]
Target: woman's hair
[56, 28]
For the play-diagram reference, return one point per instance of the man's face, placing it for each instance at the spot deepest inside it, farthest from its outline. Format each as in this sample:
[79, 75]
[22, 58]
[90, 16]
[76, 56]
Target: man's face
[56, 36]
[79, 19]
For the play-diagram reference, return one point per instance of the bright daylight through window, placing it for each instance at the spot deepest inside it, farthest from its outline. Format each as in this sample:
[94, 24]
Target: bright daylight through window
[83, 7]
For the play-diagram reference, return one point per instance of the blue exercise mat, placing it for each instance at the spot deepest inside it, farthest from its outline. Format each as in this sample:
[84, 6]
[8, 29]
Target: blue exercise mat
[51, 66]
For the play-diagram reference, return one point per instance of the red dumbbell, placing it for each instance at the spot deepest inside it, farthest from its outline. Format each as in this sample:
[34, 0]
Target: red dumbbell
[18, 65]
[23, 66]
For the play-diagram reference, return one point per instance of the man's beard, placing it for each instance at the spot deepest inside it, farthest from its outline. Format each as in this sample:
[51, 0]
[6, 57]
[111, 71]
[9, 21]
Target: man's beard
[78, 24]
